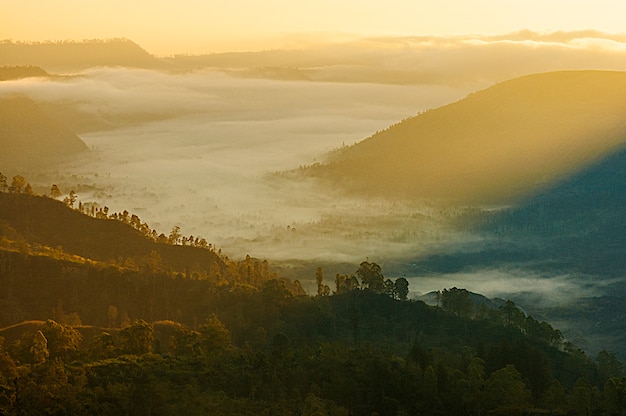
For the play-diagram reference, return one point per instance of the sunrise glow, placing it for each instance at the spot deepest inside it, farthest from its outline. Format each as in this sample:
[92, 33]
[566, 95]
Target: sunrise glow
[193, 26]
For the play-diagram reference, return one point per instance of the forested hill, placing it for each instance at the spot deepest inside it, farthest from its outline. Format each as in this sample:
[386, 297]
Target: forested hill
[47, 222]
[30, 138]
[77, 55]
[132, 335]
[493, 146]
[54, 252]
[578, 223]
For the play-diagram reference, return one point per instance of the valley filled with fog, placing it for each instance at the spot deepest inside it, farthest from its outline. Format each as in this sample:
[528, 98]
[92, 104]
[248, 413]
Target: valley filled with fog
[221, 146]
[201, 150]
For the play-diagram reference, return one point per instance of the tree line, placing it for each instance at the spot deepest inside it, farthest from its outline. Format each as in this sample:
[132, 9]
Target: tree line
[357, 353]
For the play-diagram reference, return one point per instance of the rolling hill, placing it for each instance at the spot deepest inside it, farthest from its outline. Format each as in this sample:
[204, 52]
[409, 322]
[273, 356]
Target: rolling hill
[494, 146]
[29, 138]
[47, 222]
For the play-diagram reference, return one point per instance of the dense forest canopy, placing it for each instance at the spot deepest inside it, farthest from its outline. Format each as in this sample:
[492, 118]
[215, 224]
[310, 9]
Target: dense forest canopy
[90, 331]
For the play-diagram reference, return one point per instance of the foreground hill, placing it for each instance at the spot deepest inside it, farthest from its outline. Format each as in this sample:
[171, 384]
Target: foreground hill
[492, 146]
[29, 138]
[87, 334]
[52, 256]
[74, 55]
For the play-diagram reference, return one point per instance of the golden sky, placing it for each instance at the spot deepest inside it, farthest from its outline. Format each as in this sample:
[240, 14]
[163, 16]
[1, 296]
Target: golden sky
[166, 27]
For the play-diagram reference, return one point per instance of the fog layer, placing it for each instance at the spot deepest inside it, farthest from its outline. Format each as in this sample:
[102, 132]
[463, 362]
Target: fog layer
[193, 148]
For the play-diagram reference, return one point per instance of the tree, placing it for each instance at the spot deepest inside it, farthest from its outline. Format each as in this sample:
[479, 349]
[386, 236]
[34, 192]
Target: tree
[473, 396]
[371, 277]
[615, 396]
[62, 339]
[504, 389]
[345, 283]
[70, 200]
[175, 235]
[390, 290]
[554, 398]
[39, 349]
[137, 338]
[401, 288]
[322, 289]
[512, 315]
[457, 301]
[3, 183]
[214, 336]
[55, 192]
[581, 399]
[18, 183]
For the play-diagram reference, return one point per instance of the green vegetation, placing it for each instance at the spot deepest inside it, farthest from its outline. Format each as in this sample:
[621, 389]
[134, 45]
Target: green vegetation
[101, 318]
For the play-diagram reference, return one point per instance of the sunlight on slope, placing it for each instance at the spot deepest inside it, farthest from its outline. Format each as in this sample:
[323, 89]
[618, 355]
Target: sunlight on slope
[493, 146]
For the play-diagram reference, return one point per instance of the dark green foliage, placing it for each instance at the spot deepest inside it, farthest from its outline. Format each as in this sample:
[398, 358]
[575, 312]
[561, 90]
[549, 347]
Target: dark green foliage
[371, 277]
[410, 359]
[228, 338]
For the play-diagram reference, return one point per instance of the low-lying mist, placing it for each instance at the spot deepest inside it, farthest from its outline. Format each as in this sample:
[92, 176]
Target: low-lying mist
[199, 150]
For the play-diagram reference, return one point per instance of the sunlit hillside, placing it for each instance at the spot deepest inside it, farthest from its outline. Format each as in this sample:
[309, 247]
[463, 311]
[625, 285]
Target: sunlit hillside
[494, 145]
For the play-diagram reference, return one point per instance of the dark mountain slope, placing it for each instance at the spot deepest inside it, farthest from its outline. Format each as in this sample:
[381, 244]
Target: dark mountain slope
[50, 223]
[576, 225]
[29, 138]
[494, 145]
[581, 221]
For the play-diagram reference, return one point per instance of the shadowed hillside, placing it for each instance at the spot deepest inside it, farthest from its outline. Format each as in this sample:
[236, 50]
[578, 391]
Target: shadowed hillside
[581, 220]
[492, 146]
[29, 138]
[50, 223]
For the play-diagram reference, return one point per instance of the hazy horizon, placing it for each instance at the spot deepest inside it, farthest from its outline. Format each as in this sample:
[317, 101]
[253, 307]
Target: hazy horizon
[190, 26]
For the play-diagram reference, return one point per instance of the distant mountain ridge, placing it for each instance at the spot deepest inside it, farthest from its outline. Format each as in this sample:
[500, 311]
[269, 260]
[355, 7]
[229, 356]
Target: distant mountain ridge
[77, 55]
[494, 146]
[29, 138]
